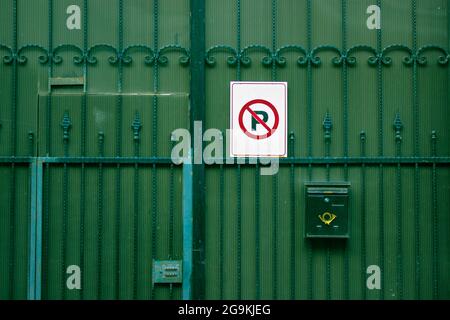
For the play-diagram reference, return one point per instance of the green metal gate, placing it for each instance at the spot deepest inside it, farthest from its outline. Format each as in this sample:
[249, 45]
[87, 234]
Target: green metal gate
[86, 178]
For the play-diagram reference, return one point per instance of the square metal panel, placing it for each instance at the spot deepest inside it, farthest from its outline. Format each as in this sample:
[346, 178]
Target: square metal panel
[167, 271]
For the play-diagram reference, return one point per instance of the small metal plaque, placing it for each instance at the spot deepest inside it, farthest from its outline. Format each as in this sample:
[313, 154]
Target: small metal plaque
[167, 271]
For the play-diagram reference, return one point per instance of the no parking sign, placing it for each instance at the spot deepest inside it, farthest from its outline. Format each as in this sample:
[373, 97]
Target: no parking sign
[258, 119]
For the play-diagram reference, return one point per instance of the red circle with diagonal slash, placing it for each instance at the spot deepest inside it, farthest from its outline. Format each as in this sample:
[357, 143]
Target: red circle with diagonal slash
[270, 131]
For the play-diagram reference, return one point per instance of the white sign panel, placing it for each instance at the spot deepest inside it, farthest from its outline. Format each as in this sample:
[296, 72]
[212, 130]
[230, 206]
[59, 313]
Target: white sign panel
[258, 119]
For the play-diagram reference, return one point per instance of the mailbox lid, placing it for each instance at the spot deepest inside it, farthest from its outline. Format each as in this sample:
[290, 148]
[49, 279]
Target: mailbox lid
[318, 187]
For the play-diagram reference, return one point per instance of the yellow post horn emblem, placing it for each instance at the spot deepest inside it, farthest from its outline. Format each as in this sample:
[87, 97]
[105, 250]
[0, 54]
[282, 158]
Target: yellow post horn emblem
[327, 218]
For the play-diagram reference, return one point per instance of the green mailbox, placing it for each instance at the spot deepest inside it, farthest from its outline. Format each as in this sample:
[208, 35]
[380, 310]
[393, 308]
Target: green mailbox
[327, 210]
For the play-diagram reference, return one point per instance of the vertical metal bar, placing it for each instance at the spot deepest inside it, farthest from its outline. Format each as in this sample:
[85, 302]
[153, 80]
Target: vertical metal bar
[83, 144]
[39, 178]
[275, 177]
[188, 221]
[363, 216]
[327, 124]
[381, 226]
[155, 129]
[48, 150]
[171, 218]
[381, 152]
[64, 232]
[309, 95]
[154, 218]
[345, 82]
[275, 237]
[415, 98]
[100, 217]
[238, 169]
[12, 191]
[49, 76]
[238, 40]
[136, 216]
[257, 232]
[345, 133]
[398, 199]
[399, 234]
[416, 152]
[435, 218]
[155, 77]
[198, 102]
[35, 231]
[221, 232]
[65, 213]
[119, 106]
[14, 84]
[136, 232]
[32, 235]
[239, 233]
[293, 224]
[46, 228]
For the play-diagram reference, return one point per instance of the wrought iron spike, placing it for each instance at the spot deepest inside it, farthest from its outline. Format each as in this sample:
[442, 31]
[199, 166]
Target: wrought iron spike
[101, 140]
[363, 136]
[101, 137]
[66, 124]
[136, 126]
[434, 135]
[434, 143]
[292, 136]
[327, 125]
[398, 126]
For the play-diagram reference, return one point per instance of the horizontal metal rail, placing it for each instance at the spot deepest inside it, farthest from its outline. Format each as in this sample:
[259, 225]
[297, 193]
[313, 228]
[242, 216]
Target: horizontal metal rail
[423, 161]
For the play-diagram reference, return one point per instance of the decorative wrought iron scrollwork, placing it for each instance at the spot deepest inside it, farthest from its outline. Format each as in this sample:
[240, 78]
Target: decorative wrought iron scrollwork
[211, 60]
[7, 59]
[19, 57]
[302, 60]
[243, 56]
[183, 60]
[442, 60]
[312, 57]
[57, 59]
[111, 59]
[266, 60]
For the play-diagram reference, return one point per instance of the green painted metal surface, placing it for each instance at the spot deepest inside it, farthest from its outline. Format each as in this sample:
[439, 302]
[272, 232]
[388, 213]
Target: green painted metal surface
[109, 218]
[347, 85]
[365, 106]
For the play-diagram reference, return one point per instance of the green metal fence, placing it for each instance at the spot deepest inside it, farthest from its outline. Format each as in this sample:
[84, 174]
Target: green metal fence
[86, 117]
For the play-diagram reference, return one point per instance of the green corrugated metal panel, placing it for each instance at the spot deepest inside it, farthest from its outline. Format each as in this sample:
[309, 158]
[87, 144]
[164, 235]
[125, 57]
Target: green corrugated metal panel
[255, 243]
[132, 57]
[104, 141]
[14, 224]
